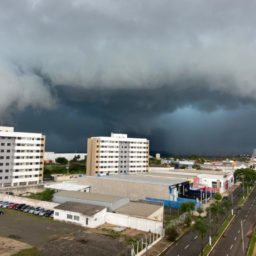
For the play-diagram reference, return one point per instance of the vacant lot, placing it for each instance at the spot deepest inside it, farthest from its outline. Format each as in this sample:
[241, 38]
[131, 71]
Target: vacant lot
[57, 238]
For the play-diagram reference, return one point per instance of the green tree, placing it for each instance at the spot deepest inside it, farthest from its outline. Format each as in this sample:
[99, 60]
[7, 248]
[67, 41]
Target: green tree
[201, 228]
[171, 233]
[246, 175]
[187, 207]
[217, 196]
[61, 160]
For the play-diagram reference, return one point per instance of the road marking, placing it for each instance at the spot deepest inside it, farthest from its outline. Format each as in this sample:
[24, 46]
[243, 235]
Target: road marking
[231, 246]
[195, 237]
[235, 238]
[186, 247]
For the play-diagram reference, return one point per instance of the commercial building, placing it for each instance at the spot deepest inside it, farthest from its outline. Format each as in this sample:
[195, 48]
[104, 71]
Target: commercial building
[85, 215]
[136, 187]
[109, 201]
[207, 180]
[117, 154]
[21, 157]
[150, 219]
[142, 210]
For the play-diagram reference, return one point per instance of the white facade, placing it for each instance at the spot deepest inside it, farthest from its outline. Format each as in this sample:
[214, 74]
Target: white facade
[117, 154]
[81, 219]
[21, 157]
[221, 183]
[143, 224]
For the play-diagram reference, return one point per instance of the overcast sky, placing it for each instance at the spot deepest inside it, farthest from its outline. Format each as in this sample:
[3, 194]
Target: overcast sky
[181, 73]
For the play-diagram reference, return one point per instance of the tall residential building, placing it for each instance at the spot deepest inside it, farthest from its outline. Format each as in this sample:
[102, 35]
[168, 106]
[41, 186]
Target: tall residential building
[117, 154]
[21, 157]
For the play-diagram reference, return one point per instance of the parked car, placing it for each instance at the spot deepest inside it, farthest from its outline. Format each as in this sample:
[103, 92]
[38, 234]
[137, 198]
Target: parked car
[22, 208]
[12, 205]
[27, 209]
[42, 212]
[32, 209]
[18, 206]
[5, 205]
[48, 213]
[1, 203]
[37, 210]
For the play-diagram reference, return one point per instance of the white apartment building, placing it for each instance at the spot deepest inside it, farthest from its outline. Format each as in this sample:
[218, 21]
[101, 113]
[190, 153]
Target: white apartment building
[21, 157]
[117, 154]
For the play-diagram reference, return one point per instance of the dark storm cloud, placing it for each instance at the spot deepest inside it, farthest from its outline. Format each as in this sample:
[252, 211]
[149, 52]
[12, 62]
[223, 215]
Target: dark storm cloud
[90, 67]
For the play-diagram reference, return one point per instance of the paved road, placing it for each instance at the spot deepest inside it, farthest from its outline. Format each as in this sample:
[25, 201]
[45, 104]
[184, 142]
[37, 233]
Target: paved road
[190, 243]
[231, 242]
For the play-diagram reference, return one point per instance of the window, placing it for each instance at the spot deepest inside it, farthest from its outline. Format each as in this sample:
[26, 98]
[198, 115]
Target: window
[86, 221]
[69, 216]
[56, 213]
[76, 218]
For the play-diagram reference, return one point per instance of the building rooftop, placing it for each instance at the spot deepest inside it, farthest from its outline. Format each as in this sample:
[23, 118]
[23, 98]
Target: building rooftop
[89, 196]
[138, 209]
[143, 178]
[86, 209]
[69, 186]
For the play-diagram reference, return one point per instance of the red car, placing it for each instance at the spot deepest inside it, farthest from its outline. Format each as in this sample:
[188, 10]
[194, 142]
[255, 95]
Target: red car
[12, 206]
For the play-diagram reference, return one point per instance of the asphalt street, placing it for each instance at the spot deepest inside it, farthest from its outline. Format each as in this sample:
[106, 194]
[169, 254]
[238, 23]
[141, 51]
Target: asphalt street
[190, 243]
[242, 226]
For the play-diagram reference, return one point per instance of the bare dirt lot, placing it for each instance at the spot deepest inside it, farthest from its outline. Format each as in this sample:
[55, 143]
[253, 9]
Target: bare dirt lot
[9, 246]
[57, 238]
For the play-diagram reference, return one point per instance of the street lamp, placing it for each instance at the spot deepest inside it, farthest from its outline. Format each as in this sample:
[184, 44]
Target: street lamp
[242, 176]
[210, 235]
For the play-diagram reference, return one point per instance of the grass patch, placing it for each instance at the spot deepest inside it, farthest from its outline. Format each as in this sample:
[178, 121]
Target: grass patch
[251, 245]
[28, 252]
[207, 248]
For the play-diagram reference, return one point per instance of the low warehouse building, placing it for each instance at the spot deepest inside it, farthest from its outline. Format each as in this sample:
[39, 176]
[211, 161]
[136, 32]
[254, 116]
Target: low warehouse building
[108, 201]
[142, 210]
[67, 186]
[141, 216]
[136, 187]
[86, 215]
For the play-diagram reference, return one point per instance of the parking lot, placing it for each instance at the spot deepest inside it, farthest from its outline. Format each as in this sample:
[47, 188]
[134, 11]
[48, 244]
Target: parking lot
[56, 238]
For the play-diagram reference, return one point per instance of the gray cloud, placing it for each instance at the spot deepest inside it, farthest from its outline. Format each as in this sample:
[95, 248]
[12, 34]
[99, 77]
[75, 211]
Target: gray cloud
[122, 64]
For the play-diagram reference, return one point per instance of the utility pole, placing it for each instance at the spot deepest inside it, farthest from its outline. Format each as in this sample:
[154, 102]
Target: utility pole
[242, 234]
[232, 202]
[243, 184]
[210, 235]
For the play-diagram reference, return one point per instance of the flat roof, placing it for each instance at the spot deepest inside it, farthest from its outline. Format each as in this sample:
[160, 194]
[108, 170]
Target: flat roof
[86, 209]
[69, 186]
[142, 178]
[138, 209]
[88, 196]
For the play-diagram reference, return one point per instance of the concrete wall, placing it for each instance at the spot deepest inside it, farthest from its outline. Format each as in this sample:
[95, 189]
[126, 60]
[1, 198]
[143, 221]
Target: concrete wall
[110, 206]
[132, 190]
[31, 202]
[93, 221]
[157, 215]
[134, 222]
[22, 190]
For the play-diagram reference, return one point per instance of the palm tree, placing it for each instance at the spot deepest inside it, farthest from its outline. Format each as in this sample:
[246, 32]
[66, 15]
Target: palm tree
[201, 228]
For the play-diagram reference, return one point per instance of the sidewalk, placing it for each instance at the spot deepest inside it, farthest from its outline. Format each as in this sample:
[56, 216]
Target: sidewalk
[158, 248]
